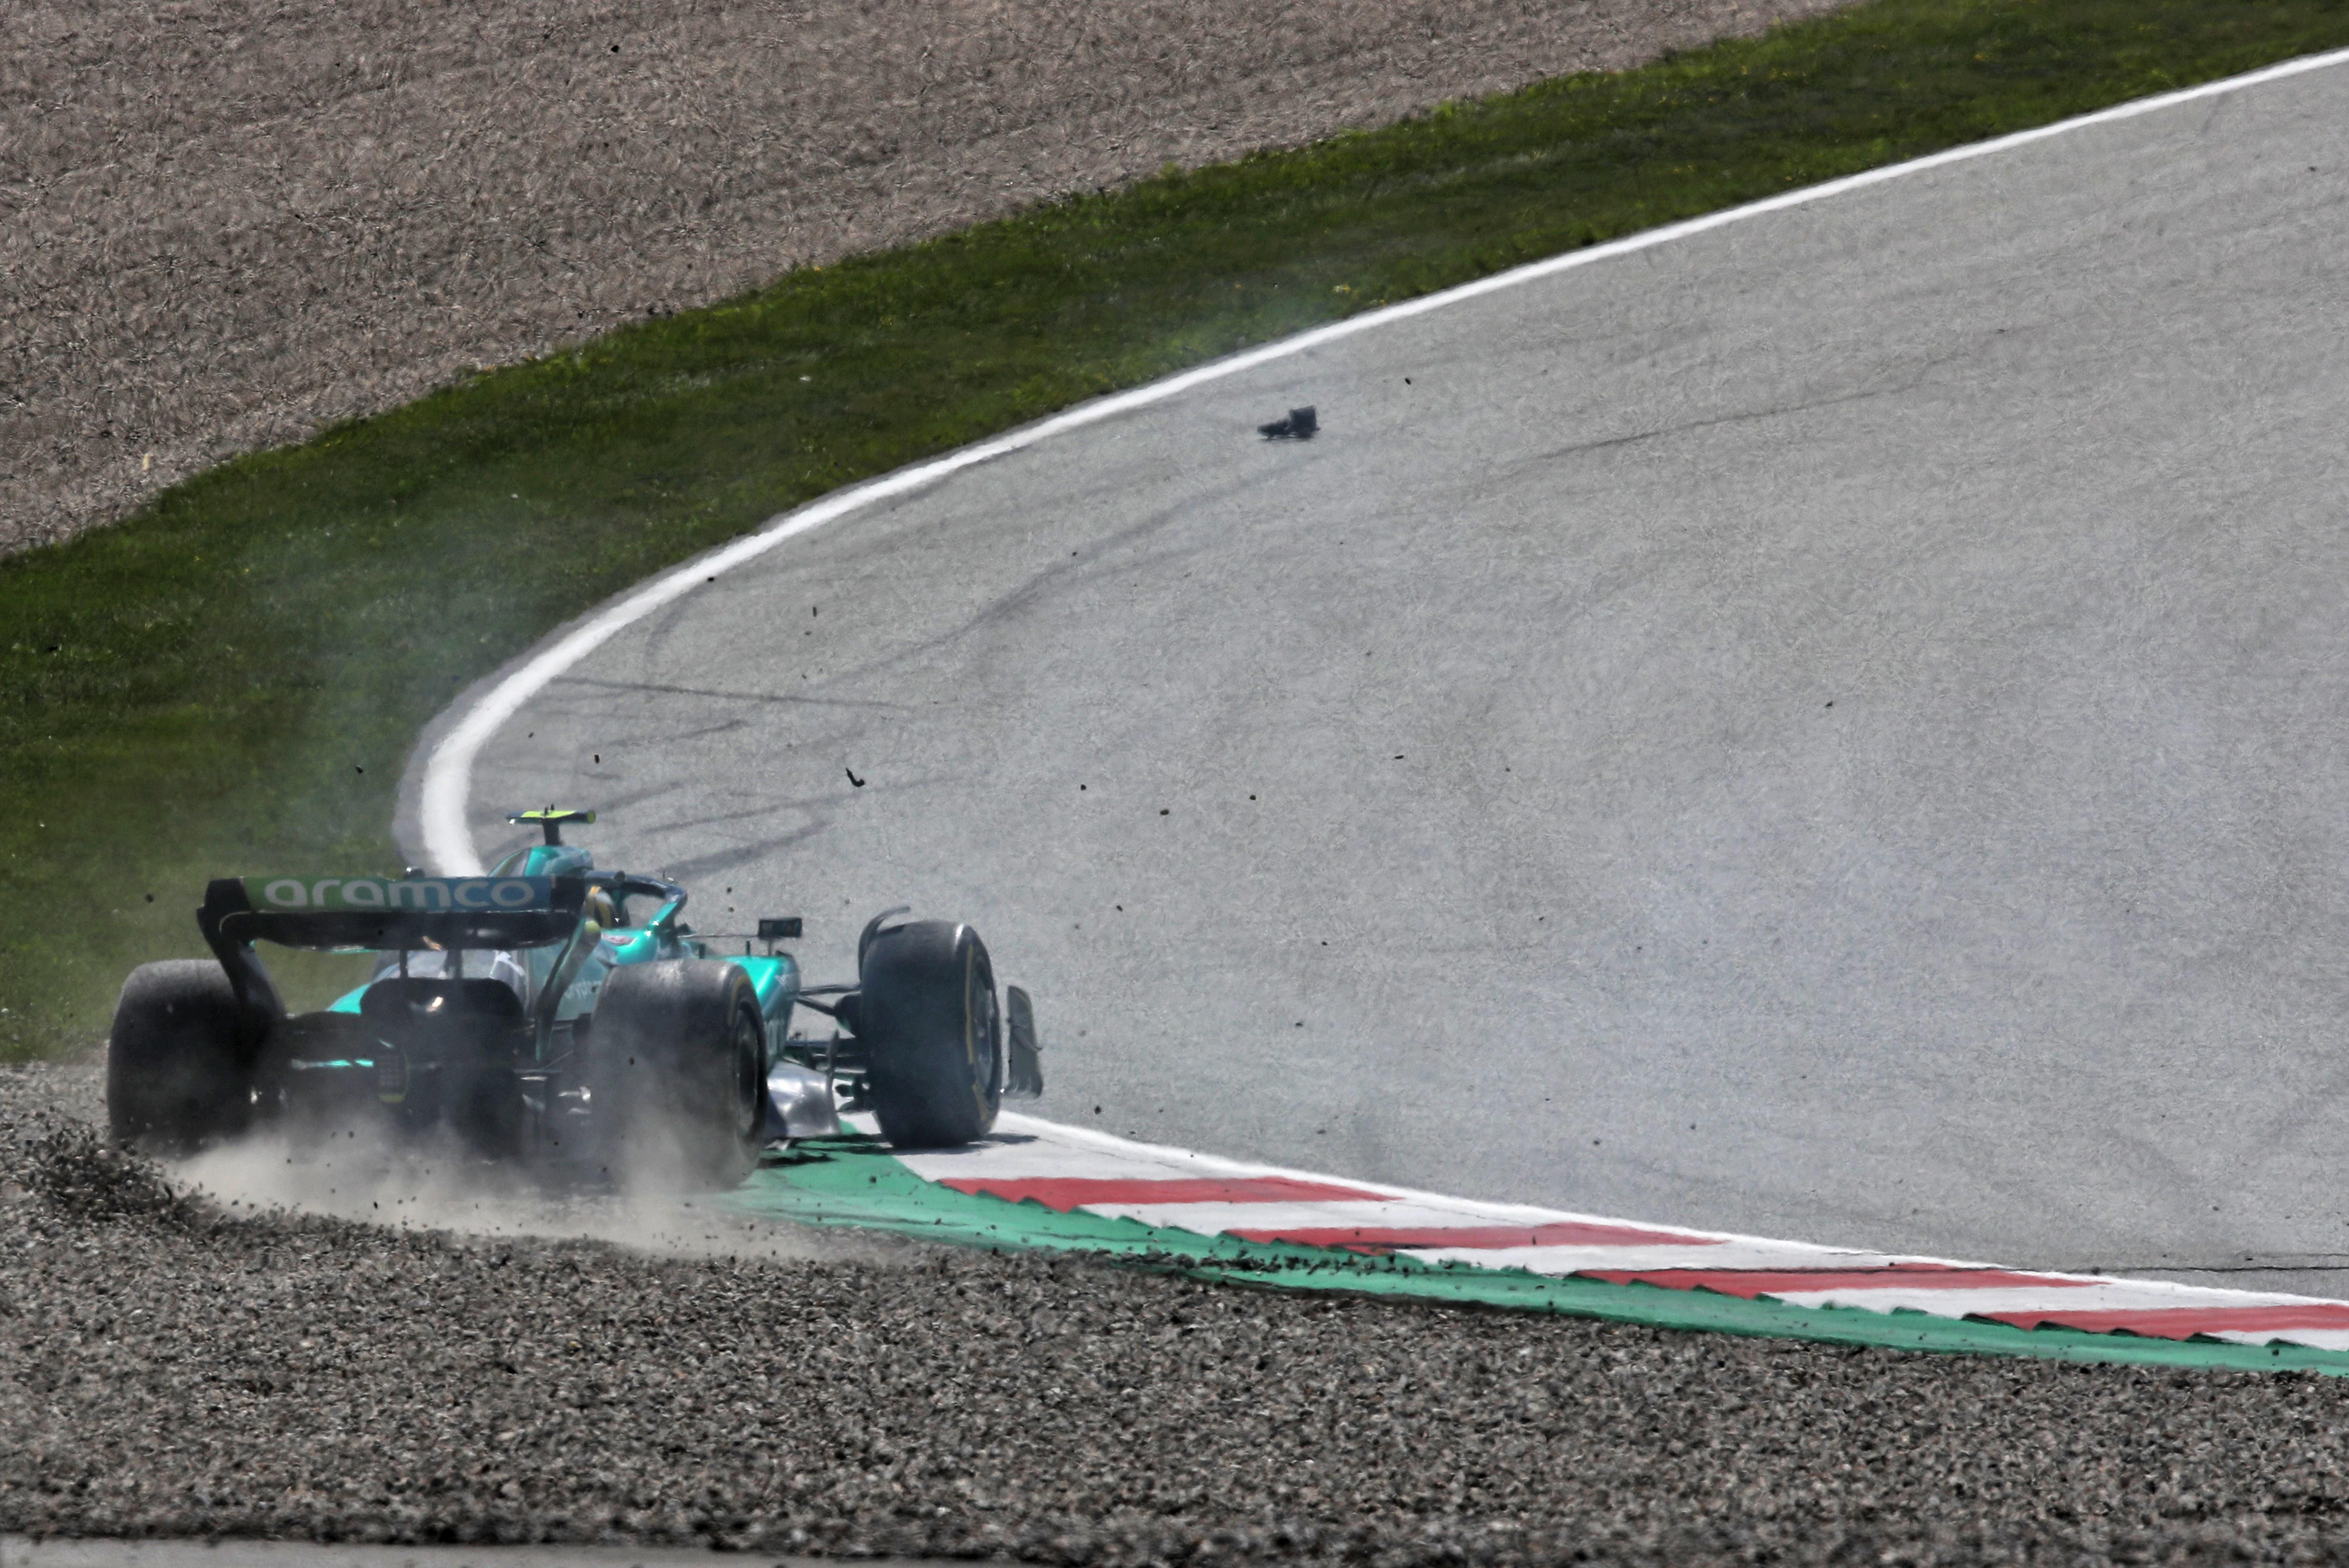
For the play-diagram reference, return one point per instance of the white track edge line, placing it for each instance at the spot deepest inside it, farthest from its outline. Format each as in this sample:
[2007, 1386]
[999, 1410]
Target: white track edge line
[449, 775]
[1110, 1143]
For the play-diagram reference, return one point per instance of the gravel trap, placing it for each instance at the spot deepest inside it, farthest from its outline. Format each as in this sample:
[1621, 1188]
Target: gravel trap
[168, 1366]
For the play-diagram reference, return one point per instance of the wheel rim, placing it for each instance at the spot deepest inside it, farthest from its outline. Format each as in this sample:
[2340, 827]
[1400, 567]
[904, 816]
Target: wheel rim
[749, 1079]
[982, 1028]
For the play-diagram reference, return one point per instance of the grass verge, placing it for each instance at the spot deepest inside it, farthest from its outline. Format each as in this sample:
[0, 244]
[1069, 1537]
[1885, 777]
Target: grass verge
[231, 679]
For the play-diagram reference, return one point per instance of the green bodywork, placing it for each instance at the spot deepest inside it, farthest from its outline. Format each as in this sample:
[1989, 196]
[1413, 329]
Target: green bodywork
[660, 936]
[481, 1003]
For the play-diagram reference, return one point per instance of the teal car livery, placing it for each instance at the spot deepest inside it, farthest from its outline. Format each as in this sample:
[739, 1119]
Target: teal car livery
[559, 1014]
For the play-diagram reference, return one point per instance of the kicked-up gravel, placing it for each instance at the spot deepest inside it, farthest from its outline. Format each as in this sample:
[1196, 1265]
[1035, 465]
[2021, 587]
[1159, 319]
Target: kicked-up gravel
[225, 224]
[169, 1367]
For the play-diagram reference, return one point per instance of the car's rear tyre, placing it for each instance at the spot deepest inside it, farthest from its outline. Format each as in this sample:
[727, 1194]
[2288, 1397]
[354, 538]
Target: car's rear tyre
[679, 1072]
[932, 1034]
[177, 1076]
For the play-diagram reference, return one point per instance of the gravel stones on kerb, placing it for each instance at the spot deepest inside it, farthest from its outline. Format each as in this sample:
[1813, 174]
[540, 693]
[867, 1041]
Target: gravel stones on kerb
[166, 1368]
[227, 222]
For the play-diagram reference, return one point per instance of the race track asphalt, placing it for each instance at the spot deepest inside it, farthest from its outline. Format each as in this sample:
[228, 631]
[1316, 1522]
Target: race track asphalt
[1837, 727]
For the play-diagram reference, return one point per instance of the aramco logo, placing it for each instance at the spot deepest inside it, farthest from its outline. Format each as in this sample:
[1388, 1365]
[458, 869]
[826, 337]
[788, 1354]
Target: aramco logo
[421, 893]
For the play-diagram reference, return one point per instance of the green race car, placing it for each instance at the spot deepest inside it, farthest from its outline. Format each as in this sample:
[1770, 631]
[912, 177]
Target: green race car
[556, 1014]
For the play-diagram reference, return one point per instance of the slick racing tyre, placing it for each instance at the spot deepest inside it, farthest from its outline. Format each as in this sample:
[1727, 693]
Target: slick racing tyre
[176, 1073]
[932, 1034]
[679, 1073]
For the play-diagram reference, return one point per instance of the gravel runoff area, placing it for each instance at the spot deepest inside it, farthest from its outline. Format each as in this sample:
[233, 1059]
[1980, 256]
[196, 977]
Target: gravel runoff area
[169, 1367]
[225, 224]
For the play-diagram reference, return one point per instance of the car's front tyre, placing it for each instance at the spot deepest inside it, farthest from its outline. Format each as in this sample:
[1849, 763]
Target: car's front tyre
[933, 1034]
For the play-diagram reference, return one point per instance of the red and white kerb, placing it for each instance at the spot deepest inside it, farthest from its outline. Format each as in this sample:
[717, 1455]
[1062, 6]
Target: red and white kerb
[1071, 1169]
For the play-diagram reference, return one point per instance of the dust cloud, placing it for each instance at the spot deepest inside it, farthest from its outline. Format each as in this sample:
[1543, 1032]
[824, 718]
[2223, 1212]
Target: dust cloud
[434, 1184]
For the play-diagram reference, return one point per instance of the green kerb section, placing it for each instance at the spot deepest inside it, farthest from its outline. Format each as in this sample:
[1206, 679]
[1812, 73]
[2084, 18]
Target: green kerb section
[854, 1182]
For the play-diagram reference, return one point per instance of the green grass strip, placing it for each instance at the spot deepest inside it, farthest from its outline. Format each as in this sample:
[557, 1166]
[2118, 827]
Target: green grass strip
[231, 681]
[856, 1182]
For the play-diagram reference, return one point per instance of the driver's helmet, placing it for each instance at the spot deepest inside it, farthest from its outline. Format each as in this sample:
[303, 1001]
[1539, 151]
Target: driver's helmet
[601, 908]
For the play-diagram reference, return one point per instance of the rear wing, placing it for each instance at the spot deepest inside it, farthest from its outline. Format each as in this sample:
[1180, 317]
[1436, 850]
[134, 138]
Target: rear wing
[385, 913]
[388, 914]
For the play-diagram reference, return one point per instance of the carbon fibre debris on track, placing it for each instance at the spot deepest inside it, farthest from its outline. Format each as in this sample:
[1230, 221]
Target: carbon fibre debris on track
[854, 1181]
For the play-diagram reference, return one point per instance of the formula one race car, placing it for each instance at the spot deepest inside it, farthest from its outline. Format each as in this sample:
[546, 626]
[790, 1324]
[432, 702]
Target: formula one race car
[554, 1012]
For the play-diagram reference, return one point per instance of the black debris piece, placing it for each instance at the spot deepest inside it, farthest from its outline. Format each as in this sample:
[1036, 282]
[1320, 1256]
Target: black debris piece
[1299, 425]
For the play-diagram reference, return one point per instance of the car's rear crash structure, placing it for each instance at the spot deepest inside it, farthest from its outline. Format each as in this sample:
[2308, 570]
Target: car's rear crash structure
[556, 1013]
